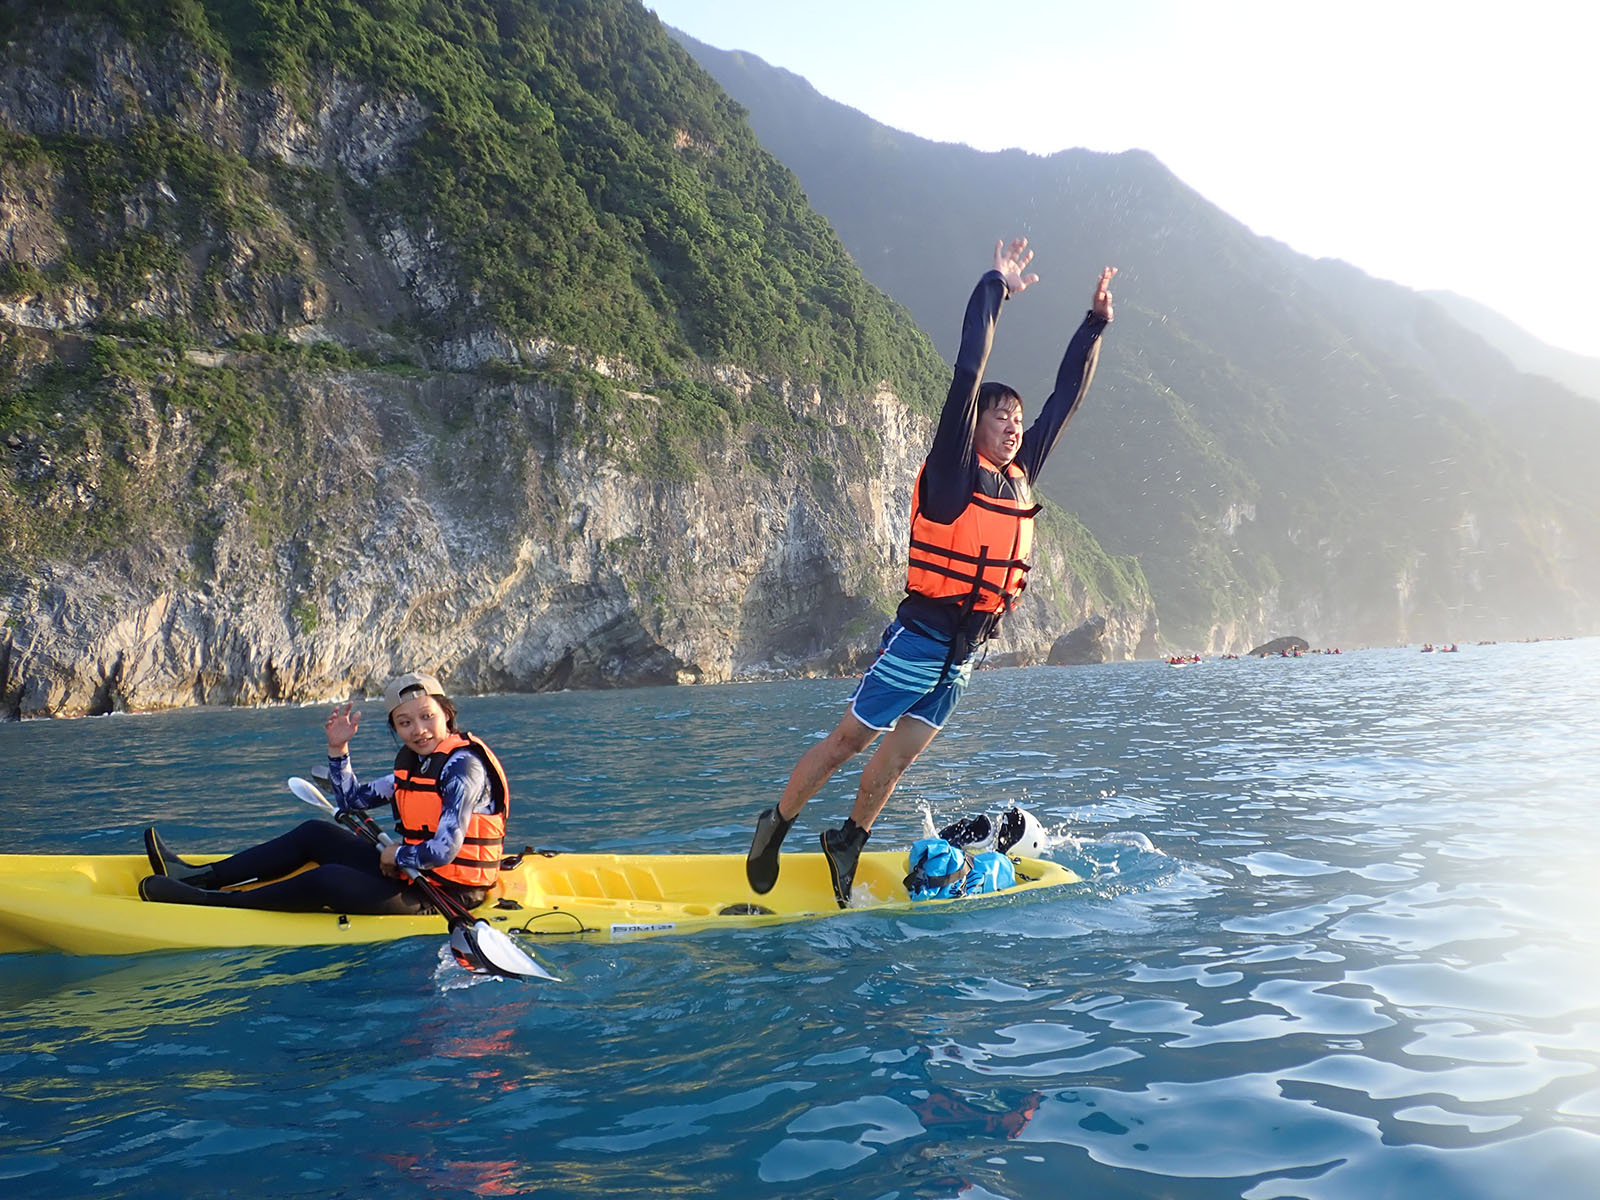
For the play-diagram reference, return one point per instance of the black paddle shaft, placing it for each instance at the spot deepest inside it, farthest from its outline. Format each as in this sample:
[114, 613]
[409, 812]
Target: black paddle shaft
[447, 904]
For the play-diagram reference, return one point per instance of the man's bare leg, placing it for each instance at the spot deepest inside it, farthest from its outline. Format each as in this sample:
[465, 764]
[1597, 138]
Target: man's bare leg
[842, 847]
[898, 750]
[816, 766]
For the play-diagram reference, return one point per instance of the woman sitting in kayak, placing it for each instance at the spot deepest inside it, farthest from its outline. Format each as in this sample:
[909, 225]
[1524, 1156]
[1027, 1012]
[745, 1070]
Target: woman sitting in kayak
[450, 799]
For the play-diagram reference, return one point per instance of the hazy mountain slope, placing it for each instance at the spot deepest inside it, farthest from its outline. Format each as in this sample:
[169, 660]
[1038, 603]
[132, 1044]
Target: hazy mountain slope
[1577, 372]
[1285, 445]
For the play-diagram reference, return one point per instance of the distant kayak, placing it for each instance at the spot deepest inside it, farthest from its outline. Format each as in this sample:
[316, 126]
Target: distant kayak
[89, 904]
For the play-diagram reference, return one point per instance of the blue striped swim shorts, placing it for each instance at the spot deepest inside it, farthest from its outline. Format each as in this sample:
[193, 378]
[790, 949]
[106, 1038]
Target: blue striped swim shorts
[906, 682]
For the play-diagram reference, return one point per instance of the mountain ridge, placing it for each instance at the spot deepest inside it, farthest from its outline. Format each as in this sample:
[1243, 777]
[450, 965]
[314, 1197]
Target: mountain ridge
[1283, 443]
[1579, 373]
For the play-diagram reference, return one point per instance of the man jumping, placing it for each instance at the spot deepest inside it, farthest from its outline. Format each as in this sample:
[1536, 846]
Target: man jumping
[972, 516]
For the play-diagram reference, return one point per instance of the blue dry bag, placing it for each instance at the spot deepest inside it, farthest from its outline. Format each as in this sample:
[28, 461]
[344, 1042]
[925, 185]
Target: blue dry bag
[938, 870]
[991, 872]
[941, 871]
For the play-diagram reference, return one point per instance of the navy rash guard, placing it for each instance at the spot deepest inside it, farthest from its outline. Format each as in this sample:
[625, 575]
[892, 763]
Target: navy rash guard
[951, 474]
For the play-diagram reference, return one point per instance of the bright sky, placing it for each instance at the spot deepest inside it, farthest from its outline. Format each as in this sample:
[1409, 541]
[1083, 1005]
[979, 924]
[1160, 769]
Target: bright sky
[1447, 144]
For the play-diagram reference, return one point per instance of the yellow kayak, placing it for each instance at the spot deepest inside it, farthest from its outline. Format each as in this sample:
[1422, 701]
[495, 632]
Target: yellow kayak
[89, 904]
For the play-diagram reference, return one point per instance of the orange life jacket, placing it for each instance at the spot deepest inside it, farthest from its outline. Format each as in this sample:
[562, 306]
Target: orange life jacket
[417, 805]
[981, 557]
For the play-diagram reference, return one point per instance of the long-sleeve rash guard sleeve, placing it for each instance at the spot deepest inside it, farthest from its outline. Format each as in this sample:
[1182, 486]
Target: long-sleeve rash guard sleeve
[947, 471]
[1073, 377]
[350, 793]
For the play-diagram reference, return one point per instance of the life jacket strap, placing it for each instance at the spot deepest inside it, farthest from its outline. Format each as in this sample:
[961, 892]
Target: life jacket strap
[486, 864]
[417, 783]
[424, 834]
[982, 558]
[977, 581]
[1011, 510]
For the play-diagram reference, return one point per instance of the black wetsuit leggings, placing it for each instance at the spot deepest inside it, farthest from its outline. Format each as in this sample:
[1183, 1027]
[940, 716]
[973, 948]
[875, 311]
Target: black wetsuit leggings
[346, 879]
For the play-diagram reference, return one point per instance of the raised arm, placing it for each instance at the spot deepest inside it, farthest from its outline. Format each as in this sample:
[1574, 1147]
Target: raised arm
[947, 471]
[339, 728]
[1073, 378]
[1100, 305]
[348, 791]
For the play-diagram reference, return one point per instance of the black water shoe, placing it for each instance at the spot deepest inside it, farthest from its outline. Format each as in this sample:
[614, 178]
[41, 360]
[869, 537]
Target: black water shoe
[842, 848]
[761, 867]
[976, 833]
[163, 889]
[156, 851]
[165, 863]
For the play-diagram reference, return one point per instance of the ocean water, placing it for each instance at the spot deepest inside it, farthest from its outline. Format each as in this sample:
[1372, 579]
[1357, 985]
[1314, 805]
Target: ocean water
[1339, 937]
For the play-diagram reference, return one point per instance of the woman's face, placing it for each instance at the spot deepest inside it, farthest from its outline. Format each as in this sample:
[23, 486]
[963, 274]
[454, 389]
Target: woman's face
[421, 724]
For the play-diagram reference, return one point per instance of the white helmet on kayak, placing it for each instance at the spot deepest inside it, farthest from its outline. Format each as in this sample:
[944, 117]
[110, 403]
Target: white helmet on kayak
[1021, 833]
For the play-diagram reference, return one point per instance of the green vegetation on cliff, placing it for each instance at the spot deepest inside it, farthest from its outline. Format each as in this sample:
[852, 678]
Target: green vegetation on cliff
[125, 445]
[587, 181]
[1111, 581]
[570, 175]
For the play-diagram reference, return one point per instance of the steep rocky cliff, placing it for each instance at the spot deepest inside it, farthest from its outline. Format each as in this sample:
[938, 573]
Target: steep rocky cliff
[269, 431]
[508, 555]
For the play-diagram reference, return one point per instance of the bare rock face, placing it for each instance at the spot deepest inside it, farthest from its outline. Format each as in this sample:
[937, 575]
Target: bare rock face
[454, 528]
[1282, 645]
[1116, 637]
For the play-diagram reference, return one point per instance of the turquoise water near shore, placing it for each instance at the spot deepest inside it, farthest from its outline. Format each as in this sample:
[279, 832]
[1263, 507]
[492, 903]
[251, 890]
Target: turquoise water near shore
[1340, 937]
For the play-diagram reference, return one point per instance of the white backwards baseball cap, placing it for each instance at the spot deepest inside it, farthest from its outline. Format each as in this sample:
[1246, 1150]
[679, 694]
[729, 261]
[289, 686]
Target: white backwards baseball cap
[409, 687]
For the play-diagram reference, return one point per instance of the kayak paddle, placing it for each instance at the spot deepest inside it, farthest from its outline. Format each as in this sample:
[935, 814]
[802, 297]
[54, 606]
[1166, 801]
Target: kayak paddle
[477, 945]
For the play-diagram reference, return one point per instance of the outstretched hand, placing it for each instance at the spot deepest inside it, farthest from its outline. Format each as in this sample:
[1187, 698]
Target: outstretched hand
[340, 727]
[1010, 261]
[1101, 304]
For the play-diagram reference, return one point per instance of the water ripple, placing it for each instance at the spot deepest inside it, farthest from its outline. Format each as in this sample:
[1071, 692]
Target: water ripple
[1338, 938]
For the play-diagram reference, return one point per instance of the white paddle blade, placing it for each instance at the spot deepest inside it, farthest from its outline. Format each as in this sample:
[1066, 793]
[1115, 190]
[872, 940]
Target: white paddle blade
[305, 790]
[498, 952]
